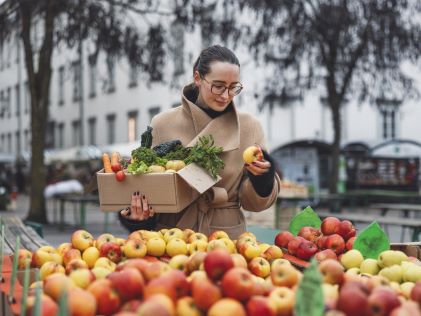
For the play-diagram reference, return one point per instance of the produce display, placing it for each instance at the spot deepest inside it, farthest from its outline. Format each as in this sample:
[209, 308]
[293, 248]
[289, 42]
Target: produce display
[182, 272]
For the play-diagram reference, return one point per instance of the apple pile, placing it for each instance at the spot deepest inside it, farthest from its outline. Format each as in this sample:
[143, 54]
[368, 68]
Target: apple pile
[330, 241]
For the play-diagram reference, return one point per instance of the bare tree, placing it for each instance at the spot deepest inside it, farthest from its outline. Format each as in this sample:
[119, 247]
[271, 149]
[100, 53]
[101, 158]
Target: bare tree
[68, 22]
[353, 49]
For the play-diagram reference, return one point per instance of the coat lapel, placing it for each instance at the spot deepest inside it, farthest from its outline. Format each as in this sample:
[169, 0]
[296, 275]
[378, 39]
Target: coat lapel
[225, 129]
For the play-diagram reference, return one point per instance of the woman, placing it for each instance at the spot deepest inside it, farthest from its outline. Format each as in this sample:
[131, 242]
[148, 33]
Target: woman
[208, 109]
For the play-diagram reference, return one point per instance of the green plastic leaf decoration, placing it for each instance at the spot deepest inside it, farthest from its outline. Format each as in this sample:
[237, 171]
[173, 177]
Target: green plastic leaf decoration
[309, 297]
[372, 241]
[306, 217]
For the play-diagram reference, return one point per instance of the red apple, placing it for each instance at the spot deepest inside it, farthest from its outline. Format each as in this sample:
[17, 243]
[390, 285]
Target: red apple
[336, 243]
[353, 300]
[217, 262]
[416, 293]
[157, 304]
[179, 282]
[332, 271]
[48, 306]
[382, 301]
[131, 306]
[346, 230]
[81, 303]
[260, 305]
[70, 255]
[107, 299]
[325, 254]
[120, 176]
[116, 167]
[321, 242]
[293, 245]
[407, 308]
[350, 243]
[283, 238]
[330, 225]
[252, 153]
[55, 284]
[237, 283]
[205, 293]
[129, 283]
[111, 250]
[306, 250]
[161, 285]
[310, 233]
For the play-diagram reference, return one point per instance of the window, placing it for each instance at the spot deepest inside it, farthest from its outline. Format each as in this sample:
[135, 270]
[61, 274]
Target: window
[49, 135]
[133, 76]
[389, 110]
[111, 129]
[17, 94]
[76, 80]
[153, 111]
[9, 142]
[92, 78]
[110, 88]
[177, 34]
[132, 126]
[75, 132]
[61, 85]
[92, 130]
[2, 106]
[2, 142]
[60, 135]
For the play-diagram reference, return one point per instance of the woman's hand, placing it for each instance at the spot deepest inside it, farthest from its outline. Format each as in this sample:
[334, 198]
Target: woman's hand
[139, 209]
[258, 168]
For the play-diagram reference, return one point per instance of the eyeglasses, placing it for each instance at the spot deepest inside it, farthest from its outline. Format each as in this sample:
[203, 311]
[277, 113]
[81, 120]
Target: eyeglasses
[219, 88]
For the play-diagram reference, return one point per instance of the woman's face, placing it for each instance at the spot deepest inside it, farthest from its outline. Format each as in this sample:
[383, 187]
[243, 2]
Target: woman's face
[222, 74]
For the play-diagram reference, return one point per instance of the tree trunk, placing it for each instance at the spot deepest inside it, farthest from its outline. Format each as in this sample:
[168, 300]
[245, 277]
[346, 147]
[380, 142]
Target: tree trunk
[336, 118]
[39, 88]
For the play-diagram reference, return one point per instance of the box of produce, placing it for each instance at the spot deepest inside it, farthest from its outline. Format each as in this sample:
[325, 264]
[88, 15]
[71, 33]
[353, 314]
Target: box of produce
[170, 175]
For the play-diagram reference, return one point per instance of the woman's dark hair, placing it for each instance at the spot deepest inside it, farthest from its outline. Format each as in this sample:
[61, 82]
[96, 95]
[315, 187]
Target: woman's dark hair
[211, 54]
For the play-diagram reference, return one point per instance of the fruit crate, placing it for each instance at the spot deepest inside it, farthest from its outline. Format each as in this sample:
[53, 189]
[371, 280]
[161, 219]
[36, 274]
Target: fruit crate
[412, 249]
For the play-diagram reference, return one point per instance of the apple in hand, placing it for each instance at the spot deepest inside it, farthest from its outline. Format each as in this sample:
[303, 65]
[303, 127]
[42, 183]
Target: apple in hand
[217, 262]
[283, 238]
[81, 239]
[252, 153]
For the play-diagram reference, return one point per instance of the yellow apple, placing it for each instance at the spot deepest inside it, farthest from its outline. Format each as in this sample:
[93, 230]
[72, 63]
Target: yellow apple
[156, 246]
[412, 273]
[330, 291]
[216, 244]
[352, 259]
[263, 247]
[135, 248]
[197, 236]
[252, 153]
[369, 266]
[187, 307]
[179, 262]
[198, 245]
[392, 273]
[49, 268]
[389, 258]
[248, 234]
[82, 277]
[90, 256]
[279, 261]
[64, 247]
[229, 244]
[218, 234]
[250, 251]
[100, 272]
[259, 266]
[82, 239]
[239, 260]
[406, 289]
[176, 246]
[103, 238]
[120, 241]
[44, 254]
[187, 233]
[106, 263]
[24, 258]
[173, 233]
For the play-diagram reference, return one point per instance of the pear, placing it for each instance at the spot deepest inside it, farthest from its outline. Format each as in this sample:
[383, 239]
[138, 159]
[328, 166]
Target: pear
[390, 257]
[369, 266]
[352, 259]
[406, 289]
[412, 273]
[353, 271]
[392, 273]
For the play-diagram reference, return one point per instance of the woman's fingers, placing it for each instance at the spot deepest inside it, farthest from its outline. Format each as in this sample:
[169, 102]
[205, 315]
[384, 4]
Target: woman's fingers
[145, 207]
[139, 208]
[258, 167]
[125, 212]
[132, 214]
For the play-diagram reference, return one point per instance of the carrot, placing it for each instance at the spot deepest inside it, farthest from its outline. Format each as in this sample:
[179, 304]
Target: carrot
[107, 163]
[115, 158]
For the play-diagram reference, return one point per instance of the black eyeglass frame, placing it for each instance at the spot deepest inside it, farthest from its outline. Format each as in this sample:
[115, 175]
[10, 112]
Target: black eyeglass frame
[232, 94]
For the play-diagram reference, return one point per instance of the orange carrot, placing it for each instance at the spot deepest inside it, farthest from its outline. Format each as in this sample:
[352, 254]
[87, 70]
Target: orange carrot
[115, 158]
[107, 163]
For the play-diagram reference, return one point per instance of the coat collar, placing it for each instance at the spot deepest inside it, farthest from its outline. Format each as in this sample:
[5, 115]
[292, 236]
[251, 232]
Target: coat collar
[225, 128]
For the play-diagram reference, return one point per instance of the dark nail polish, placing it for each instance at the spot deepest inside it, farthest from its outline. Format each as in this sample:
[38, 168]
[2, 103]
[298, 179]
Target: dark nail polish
[150, 207]
[143, 197]
[254, 164]
[138, 193]
[134, 193]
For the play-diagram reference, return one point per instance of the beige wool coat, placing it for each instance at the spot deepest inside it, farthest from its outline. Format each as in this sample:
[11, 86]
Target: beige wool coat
[220, 207]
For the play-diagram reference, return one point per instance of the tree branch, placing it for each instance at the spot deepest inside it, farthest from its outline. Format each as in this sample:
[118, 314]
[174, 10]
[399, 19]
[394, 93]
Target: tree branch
[132, 8]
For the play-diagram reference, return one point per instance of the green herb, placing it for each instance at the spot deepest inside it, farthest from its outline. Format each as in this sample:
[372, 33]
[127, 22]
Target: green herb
[206, 155]
[147, 155]
[146, 138]
[137, 167]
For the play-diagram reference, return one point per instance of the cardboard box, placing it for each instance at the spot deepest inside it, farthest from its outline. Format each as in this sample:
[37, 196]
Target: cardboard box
[166, 192]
